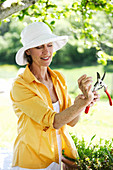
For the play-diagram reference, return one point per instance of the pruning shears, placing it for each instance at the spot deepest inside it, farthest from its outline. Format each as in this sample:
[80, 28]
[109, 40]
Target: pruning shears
[99, 85]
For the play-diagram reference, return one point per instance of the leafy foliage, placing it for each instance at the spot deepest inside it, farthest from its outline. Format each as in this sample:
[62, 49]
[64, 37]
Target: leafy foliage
[91, 29]
[10, 41]
[94, 156]
[81, 15]
[2, 1]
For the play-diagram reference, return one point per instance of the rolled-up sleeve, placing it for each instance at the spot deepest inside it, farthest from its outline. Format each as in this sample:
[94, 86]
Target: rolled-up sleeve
[32, 105]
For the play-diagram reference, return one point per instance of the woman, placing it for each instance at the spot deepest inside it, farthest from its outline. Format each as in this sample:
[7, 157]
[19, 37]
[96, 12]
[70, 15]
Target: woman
[42, 104]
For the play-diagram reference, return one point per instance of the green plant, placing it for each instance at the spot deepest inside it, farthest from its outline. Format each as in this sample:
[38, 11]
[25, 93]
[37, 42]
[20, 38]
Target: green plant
[94, 156]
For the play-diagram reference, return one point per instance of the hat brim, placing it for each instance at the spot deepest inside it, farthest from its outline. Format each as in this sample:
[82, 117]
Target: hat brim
[58, 43]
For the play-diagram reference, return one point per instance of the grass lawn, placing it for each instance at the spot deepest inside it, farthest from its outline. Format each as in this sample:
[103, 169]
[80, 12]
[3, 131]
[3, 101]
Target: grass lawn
[72, 74]
[7, 121]
[98, 121]
[8, 71]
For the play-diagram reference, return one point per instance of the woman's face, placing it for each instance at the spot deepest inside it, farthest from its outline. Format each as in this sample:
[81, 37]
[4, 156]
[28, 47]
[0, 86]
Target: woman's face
[41, 55]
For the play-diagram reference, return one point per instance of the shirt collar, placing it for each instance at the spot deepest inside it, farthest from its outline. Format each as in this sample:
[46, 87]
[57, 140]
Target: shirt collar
[29, 77]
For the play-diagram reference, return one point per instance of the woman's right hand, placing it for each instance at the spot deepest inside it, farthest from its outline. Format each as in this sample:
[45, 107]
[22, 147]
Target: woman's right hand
[81, 101]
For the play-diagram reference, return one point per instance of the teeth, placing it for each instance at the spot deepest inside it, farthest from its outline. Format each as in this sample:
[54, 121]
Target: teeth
[45, 58]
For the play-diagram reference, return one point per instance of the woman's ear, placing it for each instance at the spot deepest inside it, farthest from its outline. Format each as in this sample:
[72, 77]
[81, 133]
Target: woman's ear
[27, 52]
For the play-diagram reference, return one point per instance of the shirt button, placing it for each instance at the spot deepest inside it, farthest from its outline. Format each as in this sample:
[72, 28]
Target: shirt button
[45, 129]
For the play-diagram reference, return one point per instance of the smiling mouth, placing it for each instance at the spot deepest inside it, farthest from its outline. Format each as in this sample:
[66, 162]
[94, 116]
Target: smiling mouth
[45, 58]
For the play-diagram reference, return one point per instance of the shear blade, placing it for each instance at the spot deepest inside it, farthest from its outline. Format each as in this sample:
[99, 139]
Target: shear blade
[103, 76]
[95, 84]
[98, 76]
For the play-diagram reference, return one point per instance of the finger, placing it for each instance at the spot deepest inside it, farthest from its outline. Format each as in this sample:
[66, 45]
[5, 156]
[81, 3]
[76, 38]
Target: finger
[89, 95]
[91, 104]
[87, 87]
[83, 85]
[81, 78]
[96, 99]
[86, 81]
[96, 96]
[95, 92]
[90, 88]
[81, 97]
[86, 90]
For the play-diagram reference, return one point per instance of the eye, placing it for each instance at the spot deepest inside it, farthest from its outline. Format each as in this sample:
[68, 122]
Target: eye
[50, 45]
[39, 47]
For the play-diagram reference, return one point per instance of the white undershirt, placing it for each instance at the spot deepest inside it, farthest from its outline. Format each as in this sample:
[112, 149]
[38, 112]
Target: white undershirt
[56, 107]
[54, 165]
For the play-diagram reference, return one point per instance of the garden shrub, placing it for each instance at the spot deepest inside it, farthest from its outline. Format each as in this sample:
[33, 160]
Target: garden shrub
[94, 156]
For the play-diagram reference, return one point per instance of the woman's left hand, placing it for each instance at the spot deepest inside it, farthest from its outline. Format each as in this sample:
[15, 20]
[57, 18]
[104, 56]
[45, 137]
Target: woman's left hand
[84, 83]
[68, 164]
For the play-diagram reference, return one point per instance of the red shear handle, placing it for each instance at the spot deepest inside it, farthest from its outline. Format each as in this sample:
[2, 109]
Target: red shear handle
[87, 109]
[110, 101]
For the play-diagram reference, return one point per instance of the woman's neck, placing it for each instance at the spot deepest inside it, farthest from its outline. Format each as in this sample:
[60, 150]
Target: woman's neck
[39, 72]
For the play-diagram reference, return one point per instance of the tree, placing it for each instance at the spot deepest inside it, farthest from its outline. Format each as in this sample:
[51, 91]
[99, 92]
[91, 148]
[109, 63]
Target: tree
[10, 41]
[49, 11]
[9, 8]
[96, 26]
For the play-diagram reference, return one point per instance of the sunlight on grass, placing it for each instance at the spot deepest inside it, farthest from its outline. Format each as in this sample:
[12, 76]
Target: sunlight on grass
[8, 71]
[98, 121]
[7, 121]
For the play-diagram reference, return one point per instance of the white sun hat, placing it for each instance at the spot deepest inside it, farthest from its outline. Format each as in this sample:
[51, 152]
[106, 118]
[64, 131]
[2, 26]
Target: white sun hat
[35, 34]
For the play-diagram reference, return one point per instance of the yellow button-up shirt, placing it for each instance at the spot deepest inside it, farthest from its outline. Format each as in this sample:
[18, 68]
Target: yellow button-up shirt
[36, 144]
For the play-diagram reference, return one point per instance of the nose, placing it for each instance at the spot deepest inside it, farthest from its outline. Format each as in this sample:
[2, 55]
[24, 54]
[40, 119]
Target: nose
[46, 50]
